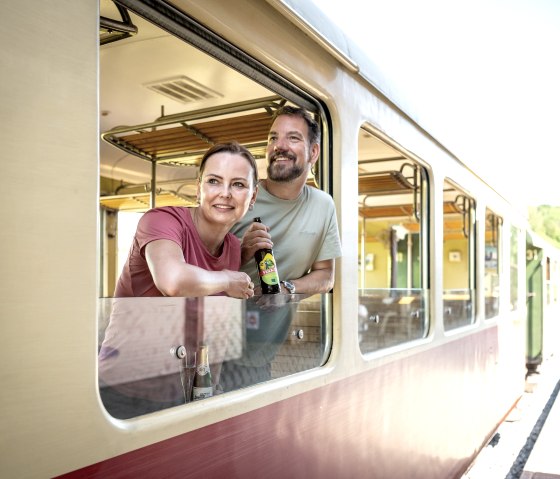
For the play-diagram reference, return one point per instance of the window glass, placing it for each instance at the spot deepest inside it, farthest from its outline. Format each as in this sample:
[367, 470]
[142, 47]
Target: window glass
[458, 257]
[492, 263]
[514, 269]
[392, 259]
[156, 123]
[149, 346]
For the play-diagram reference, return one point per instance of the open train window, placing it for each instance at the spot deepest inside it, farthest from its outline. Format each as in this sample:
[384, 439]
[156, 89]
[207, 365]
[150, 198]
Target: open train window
[492, 263]
[392, 246]
[156, 123]
[458, 257]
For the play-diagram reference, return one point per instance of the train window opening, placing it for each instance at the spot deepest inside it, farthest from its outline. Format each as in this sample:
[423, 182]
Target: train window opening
[458, 257]
[392, 246]
[156, 124]
[492, 263]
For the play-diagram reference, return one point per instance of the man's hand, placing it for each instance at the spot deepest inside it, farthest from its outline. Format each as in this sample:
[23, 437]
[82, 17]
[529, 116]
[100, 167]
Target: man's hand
[255, 238]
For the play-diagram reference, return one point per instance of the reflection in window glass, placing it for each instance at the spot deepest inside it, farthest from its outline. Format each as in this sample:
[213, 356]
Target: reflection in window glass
[148, 346]
[392, 258]
[514, 269]
[458, 257]
[492, 263]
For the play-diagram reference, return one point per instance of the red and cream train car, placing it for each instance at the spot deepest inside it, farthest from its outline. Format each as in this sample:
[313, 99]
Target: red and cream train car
[404, 370]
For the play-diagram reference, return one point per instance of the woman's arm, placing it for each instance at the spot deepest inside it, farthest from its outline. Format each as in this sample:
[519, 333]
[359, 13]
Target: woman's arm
[174, 277]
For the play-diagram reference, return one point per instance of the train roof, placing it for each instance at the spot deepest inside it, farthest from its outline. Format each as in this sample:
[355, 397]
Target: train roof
[311, 19]
[323, 30]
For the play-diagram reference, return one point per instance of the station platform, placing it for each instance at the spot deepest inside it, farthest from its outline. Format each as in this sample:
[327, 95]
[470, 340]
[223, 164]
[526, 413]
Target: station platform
[544, 459]
[526, 444]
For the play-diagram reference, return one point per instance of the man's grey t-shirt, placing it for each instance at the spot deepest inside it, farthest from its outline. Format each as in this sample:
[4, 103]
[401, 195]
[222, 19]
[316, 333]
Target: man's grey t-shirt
[303, 231]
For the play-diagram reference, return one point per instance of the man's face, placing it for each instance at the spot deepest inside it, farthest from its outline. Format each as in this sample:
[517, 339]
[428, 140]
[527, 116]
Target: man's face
[288, 151]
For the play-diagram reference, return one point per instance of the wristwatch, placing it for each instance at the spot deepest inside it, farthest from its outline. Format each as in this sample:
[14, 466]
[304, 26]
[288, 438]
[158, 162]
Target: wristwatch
[291, 287]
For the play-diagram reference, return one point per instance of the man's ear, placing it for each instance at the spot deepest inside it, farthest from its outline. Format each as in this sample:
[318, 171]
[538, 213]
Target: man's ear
[314, 154]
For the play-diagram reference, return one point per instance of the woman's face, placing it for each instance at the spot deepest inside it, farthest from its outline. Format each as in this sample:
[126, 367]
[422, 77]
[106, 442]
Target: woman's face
[226, 188]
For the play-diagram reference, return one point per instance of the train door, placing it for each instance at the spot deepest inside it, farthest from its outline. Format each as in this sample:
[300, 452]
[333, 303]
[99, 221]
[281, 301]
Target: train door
[534, 306]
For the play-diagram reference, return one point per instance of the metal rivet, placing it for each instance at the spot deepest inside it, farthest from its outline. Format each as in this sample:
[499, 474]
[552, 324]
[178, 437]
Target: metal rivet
[180, 352]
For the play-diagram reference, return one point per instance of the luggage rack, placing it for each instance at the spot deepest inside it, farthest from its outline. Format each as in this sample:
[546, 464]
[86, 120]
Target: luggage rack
[182, 139]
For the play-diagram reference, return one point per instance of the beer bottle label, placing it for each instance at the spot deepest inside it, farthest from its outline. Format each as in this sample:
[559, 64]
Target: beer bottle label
[202, 369]
[267, 270]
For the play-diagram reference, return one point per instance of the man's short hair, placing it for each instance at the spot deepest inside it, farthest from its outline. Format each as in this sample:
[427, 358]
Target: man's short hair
[312, 125]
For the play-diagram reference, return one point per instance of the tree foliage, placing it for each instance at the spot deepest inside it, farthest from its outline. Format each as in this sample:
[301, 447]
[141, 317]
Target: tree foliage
[545, 221]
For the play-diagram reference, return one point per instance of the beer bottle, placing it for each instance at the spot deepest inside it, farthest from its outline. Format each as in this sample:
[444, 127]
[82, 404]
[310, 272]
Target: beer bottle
[202, 386]
[266, 267]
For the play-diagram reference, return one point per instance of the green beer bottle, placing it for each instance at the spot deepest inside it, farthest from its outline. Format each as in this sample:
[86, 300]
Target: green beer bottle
[266, 267]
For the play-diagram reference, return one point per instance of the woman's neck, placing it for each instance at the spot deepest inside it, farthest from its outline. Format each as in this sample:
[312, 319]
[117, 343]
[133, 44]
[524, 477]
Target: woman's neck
[212, 236]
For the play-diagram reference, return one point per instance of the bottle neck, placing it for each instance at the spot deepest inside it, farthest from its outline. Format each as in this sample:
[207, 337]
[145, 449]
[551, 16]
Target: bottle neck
[203, 356]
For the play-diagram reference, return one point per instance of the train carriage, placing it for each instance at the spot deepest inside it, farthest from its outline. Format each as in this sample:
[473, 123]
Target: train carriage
[405, 369]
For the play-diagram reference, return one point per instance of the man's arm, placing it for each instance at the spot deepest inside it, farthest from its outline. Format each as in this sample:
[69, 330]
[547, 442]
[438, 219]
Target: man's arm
[320, 278]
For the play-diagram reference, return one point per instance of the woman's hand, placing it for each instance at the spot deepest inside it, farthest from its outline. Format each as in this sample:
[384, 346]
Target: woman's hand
[239, 285]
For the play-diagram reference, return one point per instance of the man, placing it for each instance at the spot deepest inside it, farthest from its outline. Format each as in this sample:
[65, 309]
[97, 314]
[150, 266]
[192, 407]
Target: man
[299, 224]
[299, 219]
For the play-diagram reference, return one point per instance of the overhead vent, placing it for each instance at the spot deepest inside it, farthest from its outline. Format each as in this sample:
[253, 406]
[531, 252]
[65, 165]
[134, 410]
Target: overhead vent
[183, 89]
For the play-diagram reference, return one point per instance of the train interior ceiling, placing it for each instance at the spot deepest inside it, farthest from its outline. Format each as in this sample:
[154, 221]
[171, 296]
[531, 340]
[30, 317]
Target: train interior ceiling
[157, 122]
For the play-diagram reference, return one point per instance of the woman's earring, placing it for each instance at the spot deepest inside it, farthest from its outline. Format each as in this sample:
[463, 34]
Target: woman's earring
[250, 206]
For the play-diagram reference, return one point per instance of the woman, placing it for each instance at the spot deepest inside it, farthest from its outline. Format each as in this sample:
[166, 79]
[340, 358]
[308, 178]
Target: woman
[178, 252]
[189, 252]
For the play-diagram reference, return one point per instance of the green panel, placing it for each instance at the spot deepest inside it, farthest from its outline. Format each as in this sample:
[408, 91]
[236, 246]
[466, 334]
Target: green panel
[535, 306]
[402, 261]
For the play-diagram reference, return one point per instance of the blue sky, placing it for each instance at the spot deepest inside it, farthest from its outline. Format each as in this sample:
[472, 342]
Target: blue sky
[484, 75]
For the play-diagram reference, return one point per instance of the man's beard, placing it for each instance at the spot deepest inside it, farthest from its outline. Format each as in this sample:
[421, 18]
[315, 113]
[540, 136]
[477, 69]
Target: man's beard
[284, 174]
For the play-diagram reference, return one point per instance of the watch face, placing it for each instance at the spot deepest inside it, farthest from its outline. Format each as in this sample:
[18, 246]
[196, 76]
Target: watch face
[289, 286]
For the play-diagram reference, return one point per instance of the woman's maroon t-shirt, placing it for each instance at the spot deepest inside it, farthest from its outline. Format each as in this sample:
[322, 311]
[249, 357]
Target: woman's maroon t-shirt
[175, 224]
